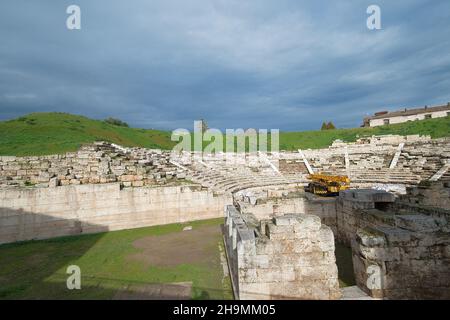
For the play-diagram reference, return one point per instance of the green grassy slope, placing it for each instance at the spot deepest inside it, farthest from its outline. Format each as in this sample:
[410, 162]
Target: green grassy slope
[52, 133]
[436, 128]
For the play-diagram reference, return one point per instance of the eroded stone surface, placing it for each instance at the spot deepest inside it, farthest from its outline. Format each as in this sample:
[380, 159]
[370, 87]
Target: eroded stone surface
[275, 233]
[287, 257]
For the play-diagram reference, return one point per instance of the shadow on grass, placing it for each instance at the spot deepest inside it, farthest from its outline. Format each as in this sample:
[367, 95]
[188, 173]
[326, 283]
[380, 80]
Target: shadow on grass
[28, 267]
[37, 269]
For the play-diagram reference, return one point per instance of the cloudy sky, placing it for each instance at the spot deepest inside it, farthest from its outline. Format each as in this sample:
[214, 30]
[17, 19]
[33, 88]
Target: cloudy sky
[287, 64]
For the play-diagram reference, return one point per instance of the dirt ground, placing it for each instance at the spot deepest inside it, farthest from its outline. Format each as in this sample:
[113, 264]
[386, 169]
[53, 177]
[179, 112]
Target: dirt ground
[176, 248]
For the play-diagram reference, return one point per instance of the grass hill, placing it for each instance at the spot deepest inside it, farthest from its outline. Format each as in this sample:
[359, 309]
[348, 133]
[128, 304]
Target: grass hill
[436, 128]
[55, 133]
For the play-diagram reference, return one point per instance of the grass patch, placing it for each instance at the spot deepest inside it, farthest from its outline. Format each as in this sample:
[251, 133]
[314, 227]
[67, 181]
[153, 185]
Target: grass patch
[37, 269]
[56, 133]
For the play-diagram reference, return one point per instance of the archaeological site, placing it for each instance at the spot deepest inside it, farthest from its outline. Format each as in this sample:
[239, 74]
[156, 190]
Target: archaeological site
[280, 239]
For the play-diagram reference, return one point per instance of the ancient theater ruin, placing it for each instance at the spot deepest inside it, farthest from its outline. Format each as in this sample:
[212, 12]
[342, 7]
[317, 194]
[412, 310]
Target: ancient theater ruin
[280, 240]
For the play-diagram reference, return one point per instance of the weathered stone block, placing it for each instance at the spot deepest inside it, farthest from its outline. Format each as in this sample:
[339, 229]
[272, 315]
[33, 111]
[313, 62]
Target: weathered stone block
[420, 223]
[370, 237]
[138, 183]
[307, 223]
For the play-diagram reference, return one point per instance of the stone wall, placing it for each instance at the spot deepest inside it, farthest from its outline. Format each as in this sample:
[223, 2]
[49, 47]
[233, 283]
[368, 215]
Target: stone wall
[39, 213]
[290, 256]
[274, 203]
[400, 250]
[435, 194]
[367, 161]
[96, 163]
[357, 209]
[411, 262]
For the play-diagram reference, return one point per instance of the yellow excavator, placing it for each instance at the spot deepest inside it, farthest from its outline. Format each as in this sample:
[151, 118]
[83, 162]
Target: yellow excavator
[327, 185]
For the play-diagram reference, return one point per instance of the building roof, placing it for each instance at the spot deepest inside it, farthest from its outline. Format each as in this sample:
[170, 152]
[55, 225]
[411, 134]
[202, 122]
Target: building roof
[409, 112]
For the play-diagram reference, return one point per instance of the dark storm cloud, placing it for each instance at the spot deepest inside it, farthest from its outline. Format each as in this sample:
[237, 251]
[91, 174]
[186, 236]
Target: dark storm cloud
[285, 64]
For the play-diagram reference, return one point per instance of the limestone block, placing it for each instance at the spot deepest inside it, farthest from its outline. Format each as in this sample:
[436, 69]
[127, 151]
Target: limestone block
[261, 261]
[7, 158]
[379, 253]
[254, 291]
[316, 272]
[326, 239]
[307, 223]
[65, 182]
[310, 259]
[44, 177]
[138, 183]
[422, 266]
[285, 220]
[248, 275]
[268, 275]
[395, 236]
[427, 239]
[287, 274]
[181, 175]
[367, 195]
[54, 182]
[446, 251]
[288, 235]
[94, 180]
[415, 253]
[370, 237]
[420, 223]
[127, 178]
[41, 185]
[12, 167]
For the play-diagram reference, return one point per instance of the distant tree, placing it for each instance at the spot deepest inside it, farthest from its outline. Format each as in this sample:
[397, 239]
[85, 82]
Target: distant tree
[116, 122]
[327, 126]
[330, 126]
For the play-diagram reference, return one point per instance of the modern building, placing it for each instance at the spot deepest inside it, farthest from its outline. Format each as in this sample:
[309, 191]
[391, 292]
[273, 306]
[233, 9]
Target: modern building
[386, 117]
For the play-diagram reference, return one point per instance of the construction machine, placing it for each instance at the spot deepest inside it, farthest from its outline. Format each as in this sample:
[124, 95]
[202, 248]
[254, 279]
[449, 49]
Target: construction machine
[327, 185]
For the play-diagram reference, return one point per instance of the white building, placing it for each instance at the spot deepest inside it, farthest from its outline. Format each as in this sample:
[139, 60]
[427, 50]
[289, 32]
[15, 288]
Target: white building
[386, 117]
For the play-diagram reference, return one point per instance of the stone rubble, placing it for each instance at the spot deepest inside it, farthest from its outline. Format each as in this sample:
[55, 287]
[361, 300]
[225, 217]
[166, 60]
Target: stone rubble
[280, 240]
[96, 163]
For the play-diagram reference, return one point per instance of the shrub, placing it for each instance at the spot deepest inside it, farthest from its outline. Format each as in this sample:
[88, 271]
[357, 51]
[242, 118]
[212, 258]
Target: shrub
[116, 122]
[330, 126]
[327, 126]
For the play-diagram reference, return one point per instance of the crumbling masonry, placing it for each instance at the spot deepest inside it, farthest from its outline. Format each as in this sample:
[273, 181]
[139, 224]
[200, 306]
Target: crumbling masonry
[280, 240]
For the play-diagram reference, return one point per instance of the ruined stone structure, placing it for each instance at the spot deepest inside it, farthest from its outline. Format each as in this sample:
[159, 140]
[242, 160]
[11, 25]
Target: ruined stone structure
[289, 256]
[400, 250]
[40, 213]
[385, 160]
[280, 240]
[92, 164]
